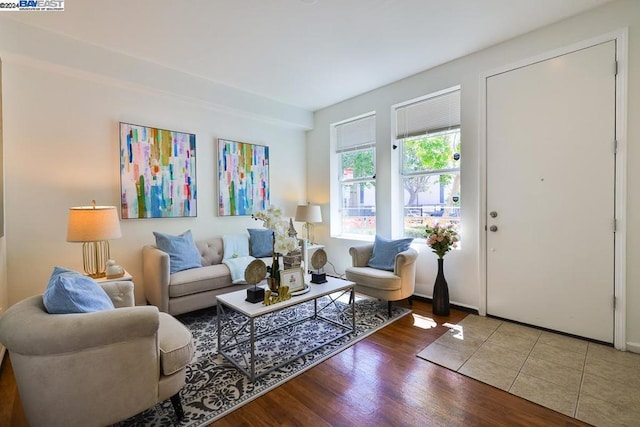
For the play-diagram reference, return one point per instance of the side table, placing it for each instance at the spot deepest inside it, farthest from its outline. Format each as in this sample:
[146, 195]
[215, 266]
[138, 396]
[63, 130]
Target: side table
[124, 278]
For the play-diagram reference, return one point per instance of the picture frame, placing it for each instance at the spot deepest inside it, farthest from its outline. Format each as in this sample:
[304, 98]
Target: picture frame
[157, 172]
[294, 278]
[243, 178]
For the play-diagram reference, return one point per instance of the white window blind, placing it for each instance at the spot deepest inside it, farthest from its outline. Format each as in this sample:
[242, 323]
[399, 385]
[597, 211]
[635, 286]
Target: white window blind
[429, 115]
[356, 134]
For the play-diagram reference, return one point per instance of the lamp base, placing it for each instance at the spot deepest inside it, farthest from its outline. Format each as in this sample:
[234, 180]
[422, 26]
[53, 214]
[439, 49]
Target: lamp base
[94, 258]
[318, 278]
[255, 295]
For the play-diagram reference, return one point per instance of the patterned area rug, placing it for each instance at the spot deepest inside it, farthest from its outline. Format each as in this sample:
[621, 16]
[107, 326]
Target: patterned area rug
[215, 387]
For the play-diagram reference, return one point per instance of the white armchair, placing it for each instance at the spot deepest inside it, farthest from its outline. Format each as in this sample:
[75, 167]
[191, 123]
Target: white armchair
[94, 369]
[382, 284]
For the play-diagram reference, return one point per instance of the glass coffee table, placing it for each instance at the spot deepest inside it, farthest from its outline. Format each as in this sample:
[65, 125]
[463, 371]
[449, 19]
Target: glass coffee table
[257, 344]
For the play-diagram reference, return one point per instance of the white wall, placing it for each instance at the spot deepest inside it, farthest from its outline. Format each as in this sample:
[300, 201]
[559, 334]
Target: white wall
[4, 290]
[61, 146]
[462, 267]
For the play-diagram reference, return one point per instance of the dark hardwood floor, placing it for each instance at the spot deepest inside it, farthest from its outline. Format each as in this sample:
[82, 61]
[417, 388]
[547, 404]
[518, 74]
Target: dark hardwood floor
[11, 413]
[377, 382]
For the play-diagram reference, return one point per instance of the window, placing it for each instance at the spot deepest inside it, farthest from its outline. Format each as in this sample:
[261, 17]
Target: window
[356, 180]
[428, 132]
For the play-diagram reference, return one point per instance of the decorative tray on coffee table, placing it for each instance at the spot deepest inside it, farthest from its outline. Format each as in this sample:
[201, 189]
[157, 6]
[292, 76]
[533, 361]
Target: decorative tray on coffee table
[306, 289]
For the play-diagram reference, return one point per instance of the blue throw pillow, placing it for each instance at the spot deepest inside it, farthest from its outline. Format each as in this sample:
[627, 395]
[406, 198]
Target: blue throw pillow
[261, 240]
[385, 251]
[71, 292]
[182, 250]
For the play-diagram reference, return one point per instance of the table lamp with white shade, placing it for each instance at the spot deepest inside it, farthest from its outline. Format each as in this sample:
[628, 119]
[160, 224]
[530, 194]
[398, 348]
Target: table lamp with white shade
[309, 214]
[94, 226]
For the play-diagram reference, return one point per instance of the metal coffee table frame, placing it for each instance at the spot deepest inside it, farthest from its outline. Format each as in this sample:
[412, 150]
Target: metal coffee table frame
[334, 289]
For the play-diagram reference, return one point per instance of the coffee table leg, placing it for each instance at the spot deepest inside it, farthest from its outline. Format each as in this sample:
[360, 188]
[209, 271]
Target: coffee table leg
[218, 315]
[353, 309]
[252, 338]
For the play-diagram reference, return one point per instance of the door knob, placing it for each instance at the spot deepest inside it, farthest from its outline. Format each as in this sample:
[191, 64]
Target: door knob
[493, 228]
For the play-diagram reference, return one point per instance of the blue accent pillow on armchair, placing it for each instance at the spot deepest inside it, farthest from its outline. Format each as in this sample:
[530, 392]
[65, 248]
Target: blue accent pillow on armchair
[71, 292]
[182, 250]
[261, 240]
[385, 251]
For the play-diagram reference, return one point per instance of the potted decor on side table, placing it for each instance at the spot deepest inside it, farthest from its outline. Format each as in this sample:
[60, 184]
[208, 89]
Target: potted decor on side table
[441, 239]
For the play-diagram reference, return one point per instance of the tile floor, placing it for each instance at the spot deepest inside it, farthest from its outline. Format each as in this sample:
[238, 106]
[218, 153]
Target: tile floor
[591, 382]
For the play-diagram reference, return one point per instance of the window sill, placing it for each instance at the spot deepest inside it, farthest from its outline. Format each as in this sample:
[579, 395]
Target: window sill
[355, 237]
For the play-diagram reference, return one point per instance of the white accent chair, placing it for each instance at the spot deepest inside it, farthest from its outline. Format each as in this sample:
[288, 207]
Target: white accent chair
[94, 369]
[391, 286]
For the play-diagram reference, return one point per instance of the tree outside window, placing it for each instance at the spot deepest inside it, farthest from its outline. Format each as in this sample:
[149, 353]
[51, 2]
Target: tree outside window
[431, 180]
[355, 193]
[358, 192]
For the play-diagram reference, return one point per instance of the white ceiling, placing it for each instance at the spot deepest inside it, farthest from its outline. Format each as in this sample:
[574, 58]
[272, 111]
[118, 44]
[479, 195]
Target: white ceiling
[305, 53]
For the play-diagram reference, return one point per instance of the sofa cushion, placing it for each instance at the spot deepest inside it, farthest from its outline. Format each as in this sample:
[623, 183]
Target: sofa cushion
[176, 344]
[199, 280]
[183, 253]
[374, 278]
[120, 293]
[71, 292]
[385, 251]
[235, 246]
[211, 251]
[261, 240]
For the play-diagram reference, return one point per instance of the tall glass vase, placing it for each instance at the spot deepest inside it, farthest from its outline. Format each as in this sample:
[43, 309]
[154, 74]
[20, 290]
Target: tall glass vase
[440, 292]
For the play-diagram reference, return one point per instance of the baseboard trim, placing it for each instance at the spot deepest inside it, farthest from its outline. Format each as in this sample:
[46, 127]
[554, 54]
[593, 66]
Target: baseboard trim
[452, 305]
[633, 347]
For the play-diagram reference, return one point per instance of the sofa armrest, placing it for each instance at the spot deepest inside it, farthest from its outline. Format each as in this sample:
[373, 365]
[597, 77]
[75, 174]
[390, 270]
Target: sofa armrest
[121, 293]
[155, 266]
[360, 255]
[28, 329]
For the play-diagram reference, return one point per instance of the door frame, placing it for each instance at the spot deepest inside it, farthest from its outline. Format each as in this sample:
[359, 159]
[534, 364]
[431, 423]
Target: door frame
[621, 39]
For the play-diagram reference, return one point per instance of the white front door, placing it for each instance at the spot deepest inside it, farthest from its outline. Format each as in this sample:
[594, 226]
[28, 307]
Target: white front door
[551, 194]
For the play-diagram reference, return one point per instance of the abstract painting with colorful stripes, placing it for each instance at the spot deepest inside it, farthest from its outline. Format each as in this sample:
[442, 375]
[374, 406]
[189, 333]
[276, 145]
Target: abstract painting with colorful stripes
[243, 175]
[157, 172]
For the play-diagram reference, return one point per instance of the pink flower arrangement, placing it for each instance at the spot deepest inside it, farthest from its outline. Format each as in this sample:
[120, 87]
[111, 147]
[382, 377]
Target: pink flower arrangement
[441, 238]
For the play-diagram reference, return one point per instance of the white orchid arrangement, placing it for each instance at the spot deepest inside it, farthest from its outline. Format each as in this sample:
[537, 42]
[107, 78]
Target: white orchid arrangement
[273, 220]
